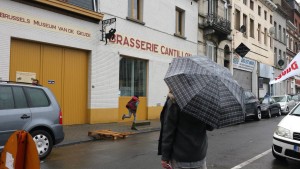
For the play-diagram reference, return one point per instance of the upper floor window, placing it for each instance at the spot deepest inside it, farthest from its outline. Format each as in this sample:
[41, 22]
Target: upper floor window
[265, 36]
[179, 22]
[212, 6]
[251, 28]
[135, 9]
[251, 5]
[245, 2]
[275, 26]
[284, 39]
[237, 19]
[211, 51]
[266, 15]
[271, 19]
[259, 33]
[259, 10]
[87, 4]
[280, 35]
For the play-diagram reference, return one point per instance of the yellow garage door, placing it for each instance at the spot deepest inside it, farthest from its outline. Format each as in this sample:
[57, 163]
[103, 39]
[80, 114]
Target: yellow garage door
[63, 70]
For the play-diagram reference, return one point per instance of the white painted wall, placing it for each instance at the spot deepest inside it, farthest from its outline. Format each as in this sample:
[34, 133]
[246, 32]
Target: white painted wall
[159, 28]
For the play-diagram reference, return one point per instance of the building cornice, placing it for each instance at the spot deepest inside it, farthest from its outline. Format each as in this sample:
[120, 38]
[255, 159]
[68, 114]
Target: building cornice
[281, 11]
[269, 4]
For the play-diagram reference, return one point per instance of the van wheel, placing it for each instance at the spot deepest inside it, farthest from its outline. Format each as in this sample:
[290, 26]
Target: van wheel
[43, 142]
[258, 114]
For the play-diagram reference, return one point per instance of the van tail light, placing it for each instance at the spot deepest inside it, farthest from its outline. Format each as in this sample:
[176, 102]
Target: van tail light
[60, 118]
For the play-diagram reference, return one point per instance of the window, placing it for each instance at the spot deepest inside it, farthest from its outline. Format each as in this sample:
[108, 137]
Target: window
[211, 51]
[266, 15]
[237, 19]
[275, 55]
[275, 26]
[91, 5]
[271, 19]
[37, 97]
[259, 10]
[19, 96]
[245, 24]
[280, 35]
[179, 22]
[133, 75]
[251, 28]
[212, 6]
[251, 5]
[6, 98]
[226, 10]
[135, 9]
[265, 36]
[259, 32]
[288, 44]
[279, 54]
[245, 2]
[284, 39]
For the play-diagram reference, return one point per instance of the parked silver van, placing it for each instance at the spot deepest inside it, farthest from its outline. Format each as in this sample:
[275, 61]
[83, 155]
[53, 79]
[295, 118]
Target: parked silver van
[32, 108]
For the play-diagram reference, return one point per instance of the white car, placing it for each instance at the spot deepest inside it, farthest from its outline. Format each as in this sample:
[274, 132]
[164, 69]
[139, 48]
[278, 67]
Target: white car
[286, 138]
[286, 103]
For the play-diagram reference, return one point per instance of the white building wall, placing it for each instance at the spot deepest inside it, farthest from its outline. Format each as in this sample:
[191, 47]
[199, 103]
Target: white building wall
[159, 29]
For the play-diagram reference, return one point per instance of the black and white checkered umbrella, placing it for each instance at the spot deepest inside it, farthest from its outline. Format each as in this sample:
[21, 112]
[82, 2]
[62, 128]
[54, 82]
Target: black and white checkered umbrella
[206, 90]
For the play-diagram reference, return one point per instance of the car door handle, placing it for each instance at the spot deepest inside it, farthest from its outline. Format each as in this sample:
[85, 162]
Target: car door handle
[25, 116]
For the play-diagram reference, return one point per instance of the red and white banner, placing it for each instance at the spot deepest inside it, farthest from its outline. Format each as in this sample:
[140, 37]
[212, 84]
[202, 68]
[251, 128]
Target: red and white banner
[291, 70]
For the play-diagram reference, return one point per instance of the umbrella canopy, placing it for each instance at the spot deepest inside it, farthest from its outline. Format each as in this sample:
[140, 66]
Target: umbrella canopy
[206, 90]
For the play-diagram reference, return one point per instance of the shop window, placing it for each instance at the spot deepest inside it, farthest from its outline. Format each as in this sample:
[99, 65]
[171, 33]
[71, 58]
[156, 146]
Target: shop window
[135, 10]
[179, 22]
[133, 75]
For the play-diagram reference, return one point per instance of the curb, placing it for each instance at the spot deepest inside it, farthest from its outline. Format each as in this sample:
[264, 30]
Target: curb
[91, 139]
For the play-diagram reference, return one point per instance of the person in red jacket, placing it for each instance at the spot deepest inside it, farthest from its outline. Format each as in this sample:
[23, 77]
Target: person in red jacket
[132, 107]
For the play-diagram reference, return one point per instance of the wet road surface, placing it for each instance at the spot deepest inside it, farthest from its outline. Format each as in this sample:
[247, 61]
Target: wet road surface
[229, 148]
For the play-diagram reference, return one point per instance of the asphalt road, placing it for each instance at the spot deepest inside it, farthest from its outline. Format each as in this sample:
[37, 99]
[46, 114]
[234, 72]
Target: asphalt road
[245, 146]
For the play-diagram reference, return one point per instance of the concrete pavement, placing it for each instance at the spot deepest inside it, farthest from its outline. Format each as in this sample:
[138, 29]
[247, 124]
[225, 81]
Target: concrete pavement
[75, 134]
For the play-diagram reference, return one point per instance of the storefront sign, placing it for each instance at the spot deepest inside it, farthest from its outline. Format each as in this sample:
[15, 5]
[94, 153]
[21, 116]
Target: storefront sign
[291, 70]
[148, 46]
[243, 63]
[42, 24]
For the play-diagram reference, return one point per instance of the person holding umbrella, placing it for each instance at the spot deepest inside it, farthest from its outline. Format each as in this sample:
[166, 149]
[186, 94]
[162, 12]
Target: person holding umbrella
[183, 139]
[204, 97]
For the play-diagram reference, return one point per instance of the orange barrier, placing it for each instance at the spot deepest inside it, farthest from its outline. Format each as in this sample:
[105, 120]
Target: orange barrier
[20, 152]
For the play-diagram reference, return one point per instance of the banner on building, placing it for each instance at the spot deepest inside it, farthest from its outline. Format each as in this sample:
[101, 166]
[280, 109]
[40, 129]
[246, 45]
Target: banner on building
[291, 70]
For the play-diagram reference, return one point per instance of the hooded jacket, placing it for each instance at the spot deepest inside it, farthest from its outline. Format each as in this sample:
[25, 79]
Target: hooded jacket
[183, 137]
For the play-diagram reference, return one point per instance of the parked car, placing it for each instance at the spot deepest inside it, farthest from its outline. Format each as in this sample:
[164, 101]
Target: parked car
[296, 98]
[269, 107]
[286, 138]
[252, 106]
[286, 103]
[31, 108]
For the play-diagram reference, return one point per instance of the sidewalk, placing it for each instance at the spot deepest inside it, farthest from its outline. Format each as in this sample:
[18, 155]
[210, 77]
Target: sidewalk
[75, 134]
